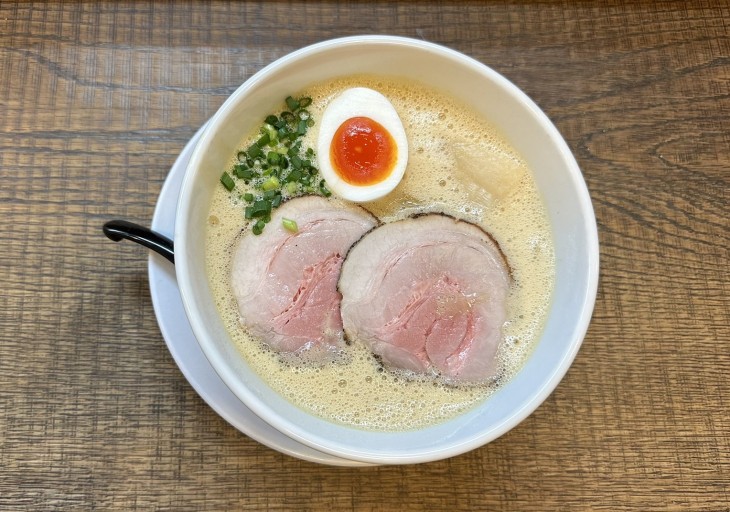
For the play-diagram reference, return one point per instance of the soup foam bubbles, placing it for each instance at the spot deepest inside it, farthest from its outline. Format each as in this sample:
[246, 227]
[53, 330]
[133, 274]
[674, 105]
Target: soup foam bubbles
[458, 164]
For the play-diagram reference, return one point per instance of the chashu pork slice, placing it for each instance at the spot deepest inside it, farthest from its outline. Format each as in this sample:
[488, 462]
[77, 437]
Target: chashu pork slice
[428, 294]
[285, 283]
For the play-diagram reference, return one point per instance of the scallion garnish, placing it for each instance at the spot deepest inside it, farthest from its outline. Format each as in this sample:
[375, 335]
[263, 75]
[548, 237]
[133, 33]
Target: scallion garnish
[260, 208]
[254, 151]
[294, 175]
[302, 129]
[273, 157]
[258, 227]
[275, 167]
[227, 181]
[291, 187]
[323, 189]
[292, 103]
[296, 162]
[270, 184]
[289, 225]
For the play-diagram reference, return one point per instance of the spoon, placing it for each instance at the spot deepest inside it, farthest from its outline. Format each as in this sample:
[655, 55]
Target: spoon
[118, 229]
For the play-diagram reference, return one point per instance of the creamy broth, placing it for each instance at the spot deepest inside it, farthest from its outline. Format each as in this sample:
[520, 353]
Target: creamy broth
[458, 164]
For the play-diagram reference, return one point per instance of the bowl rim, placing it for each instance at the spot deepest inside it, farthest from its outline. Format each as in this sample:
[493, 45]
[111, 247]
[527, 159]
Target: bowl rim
[183, 270]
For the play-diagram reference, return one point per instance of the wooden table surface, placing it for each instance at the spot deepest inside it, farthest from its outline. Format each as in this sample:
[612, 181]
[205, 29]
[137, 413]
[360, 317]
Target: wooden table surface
[96, 101]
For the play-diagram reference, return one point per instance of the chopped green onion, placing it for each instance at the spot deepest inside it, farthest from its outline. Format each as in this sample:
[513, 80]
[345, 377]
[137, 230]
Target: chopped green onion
[271, 183]
[273, 135]
[254, 151]
[323, 189]
[289, 225]
[283, 133]
[227, 181]
[260, 208]
[273, 157]
[276, 166]
[291, 103]
[302, 129]
[295, 175]
[258, 227]
[243, 173]
[293, 150]
[296, 162]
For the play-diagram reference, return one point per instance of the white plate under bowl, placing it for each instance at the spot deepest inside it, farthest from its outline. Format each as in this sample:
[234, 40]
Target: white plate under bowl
[184, 346]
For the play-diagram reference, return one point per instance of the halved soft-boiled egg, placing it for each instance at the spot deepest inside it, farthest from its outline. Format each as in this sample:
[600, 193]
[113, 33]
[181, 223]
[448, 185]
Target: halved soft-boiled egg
[362, 145]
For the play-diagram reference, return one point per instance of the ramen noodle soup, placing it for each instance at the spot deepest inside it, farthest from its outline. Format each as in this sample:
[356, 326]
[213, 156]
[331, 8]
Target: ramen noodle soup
[457, 164]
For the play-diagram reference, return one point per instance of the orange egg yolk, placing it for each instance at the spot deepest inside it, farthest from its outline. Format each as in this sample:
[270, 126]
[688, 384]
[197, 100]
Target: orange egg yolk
[363, 152]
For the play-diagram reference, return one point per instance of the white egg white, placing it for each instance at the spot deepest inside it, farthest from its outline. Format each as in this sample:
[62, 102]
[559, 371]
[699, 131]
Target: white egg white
[361, 102]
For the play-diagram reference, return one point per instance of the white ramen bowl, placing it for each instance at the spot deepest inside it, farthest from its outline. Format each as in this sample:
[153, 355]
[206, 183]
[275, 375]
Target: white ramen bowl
[521, 122]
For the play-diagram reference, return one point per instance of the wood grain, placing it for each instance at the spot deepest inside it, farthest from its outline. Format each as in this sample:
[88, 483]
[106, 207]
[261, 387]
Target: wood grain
[98, 98]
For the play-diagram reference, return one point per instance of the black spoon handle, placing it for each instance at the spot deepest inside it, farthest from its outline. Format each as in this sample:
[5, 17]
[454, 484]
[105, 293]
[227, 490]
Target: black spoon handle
[118, 229]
